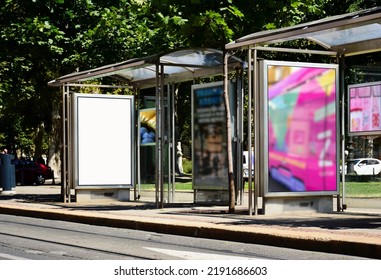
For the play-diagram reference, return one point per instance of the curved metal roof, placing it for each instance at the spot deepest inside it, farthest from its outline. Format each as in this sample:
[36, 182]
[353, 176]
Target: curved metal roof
[180, 65]
[347, 34]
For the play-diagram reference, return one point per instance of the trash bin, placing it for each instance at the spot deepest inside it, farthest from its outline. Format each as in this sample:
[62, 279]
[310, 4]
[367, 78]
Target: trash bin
[7, 173]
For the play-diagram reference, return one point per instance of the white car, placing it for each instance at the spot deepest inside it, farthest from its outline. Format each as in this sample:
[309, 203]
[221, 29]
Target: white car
[365, 166]
[245, 167]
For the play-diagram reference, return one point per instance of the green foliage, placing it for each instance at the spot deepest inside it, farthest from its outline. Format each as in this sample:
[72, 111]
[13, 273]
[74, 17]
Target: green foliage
[44, 39]
[30, 43]
[179, 186]
[362, 4]
[187, 166]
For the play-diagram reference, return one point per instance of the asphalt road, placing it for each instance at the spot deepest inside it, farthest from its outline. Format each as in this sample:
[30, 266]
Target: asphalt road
[38, 239]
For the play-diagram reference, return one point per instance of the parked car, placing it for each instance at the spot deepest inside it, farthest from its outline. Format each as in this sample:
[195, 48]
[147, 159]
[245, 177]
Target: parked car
[365, 166]
[31, 172]
[245, 167]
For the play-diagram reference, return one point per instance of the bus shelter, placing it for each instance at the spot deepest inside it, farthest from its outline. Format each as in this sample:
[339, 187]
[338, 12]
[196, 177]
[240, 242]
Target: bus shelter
[297, 143]
[108, 164]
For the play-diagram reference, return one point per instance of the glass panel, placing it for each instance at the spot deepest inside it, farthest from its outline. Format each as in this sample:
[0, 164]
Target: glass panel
[145, 68]
[351, 35]
[147, 166]
[147, 130]
[206, 57]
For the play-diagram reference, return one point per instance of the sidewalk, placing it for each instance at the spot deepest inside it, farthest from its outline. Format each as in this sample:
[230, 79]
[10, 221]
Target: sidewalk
[354, 232]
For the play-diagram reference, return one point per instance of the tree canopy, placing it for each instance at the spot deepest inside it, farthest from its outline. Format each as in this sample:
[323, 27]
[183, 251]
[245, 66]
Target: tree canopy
[44, 39]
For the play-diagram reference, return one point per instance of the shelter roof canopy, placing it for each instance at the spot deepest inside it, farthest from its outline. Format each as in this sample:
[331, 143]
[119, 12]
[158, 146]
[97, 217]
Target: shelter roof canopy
[347, 34]
[179, 66]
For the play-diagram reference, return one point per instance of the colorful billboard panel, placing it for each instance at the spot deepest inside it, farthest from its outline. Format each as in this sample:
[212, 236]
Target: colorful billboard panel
[302, 127]
[210, 170]
[364, 109]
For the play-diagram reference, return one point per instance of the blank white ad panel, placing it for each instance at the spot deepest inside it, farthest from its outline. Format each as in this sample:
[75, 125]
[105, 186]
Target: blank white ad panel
[104, 140]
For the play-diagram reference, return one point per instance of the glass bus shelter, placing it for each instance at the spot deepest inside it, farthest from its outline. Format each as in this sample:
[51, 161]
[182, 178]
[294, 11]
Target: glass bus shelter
[150, 160]
[336, 38]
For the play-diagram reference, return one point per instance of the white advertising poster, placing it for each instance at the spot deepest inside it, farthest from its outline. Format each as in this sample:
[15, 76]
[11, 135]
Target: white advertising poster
[103, 140]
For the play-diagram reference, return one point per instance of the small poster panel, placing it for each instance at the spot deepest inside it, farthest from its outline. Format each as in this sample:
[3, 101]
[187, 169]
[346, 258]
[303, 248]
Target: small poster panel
[364, 109]
[210, 169]
[147, 128]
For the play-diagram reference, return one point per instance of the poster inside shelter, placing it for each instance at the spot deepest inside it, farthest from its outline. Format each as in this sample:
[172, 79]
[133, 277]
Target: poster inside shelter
[365, 109]
[147, 126]
[210, 169]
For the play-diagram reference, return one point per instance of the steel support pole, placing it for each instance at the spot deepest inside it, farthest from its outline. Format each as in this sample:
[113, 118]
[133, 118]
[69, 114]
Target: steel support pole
[173, 140]
[162, 134]
[341, 86]
[158, 174]
[239, 132]
[138, 141]
[249, 132]
[67, 145]
[64, 175]
[257, 127]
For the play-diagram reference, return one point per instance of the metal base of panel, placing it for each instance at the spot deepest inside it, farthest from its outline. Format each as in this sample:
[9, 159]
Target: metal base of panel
[97, 195]
[302, 205]
[211, 197]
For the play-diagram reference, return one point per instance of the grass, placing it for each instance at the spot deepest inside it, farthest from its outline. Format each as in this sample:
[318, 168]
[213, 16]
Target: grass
[352, 189]
[179, 186]
[363, 189]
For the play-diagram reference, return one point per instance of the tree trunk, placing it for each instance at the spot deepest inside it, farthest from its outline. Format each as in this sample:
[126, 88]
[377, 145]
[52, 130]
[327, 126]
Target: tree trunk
[55, 142]
[38, 141]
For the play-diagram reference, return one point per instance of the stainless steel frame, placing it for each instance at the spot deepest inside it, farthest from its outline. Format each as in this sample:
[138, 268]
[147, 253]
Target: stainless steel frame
[255, 102]
[154, 65]
[360, 133]
[264, 128]
[68, 124]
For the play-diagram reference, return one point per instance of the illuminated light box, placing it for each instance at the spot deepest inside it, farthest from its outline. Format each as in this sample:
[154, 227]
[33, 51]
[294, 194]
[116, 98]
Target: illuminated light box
[300, 128]
[364, 109]
[209, 153]
[103, 140]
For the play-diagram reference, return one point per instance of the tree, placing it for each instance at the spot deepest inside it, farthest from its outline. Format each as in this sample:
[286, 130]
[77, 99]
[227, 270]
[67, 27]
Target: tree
[42, 40]
[29, 44]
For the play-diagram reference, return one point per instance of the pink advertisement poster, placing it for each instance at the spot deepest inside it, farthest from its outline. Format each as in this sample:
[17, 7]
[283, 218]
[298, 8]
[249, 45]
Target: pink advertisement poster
[302, 133]
[364, 109]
